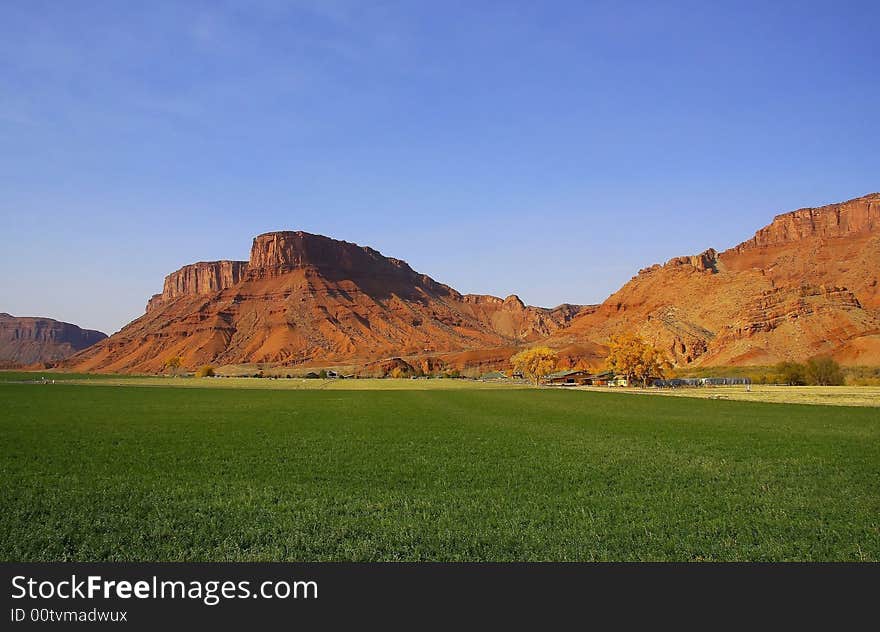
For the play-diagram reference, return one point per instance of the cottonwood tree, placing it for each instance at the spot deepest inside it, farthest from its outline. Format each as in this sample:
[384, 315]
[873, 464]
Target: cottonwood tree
[824, 372]
[792, 373]
[205, 371]
[173, 363]
[629, 355]
[535, 363]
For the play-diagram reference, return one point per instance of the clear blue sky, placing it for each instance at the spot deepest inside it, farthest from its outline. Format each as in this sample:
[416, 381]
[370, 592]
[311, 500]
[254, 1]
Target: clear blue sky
[549, 149]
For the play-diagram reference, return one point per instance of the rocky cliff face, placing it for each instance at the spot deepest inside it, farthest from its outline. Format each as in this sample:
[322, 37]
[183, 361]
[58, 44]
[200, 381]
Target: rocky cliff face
[516, 320]
[276, 253]
[279, 252]
[205, 277]
[304, 298]
[806, 284]
[772, 308]
[27, 341]
[856, 217]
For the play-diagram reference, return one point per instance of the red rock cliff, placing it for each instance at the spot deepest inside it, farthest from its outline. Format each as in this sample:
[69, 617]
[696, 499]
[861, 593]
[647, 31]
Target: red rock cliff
[279, 252]
[861, 215]
[276, 253]
[304, 299]
[205, 277]
[29, 340]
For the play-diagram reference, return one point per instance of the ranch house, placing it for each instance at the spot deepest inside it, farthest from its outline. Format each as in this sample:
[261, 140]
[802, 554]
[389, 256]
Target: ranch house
[568, 378]
[618, 380]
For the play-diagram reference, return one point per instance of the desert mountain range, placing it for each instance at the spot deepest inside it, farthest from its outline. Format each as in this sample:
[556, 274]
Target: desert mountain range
[26, 340]
[805, 285]
[305, 299]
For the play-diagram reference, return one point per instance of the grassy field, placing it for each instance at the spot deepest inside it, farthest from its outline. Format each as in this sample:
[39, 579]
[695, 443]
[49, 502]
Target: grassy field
[367, 384]
[823, 395]
[60, 376]
[131, 473]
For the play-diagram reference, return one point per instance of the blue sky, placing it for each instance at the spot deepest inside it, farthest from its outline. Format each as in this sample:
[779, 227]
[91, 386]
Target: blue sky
[546, 149]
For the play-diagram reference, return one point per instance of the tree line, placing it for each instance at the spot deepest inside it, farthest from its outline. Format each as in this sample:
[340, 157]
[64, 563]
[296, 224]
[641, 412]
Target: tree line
[815, 372]
[638, 361]
[628, 355]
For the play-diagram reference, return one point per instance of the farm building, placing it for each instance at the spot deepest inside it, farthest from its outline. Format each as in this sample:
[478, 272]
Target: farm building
[336, 375]
[602, 379]
[568, 378]
[618, 380]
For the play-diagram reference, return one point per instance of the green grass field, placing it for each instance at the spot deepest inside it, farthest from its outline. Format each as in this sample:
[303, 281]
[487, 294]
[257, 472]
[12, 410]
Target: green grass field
[130, 473]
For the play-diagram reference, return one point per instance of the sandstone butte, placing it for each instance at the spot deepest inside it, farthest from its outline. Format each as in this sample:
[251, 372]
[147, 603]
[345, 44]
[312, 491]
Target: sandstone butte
[308, 300]
[29, 341]
[805, 285]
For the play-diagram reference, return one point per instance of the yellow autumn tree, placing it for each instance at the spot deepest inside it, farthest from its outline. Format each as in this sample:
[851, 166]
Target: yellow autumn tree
[629, 355]
[173, 363]
[535, 363]
[205, 371]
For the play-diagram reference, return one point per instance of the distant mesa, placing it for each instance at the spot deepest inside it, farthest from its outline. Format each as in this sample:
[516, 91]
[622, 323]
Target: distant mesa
[29, 341]
[804, 285]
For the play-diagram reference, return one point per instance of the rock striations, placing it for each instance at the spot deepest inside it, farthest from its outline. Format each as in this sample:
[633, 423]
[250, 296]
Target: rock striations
[860, 216]
[305, 299]
[26, 341]
[205, 277]
[806, 284]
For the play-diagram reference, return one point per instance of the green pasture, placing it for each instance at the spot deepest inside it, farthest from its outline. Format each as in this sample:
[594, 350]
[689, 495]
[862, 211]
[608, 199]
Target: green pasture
[120, 472]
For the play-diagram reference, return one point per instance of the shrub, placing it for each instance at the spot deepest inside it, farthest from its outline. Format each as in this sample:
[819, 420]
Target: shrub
[792, 373]
[862, 376]
[824, 372]
[205, 371]
[863, 381]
